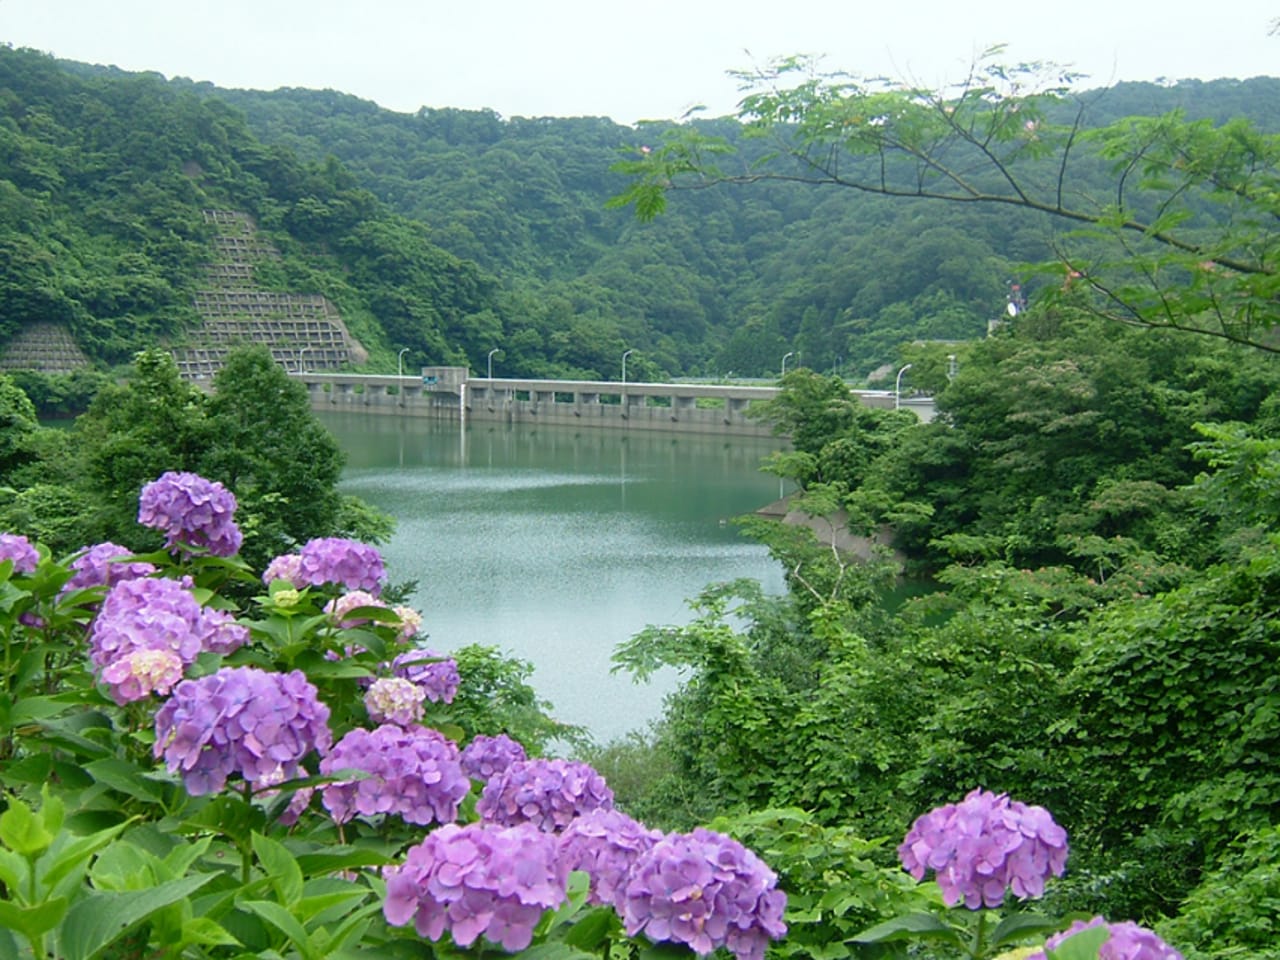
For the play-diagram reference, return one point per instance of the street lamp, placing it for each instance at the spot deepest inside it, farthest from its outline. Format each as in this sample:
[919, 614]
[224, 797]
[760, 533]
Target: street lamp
[897, 387]
[400, 361]
[491, 353]
[624, 364]
[785, 357]
[301, 367]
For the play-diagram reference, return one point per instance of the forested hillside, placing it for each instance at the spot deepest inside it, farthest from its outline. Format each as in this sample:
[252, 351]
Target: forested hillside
[456, 232]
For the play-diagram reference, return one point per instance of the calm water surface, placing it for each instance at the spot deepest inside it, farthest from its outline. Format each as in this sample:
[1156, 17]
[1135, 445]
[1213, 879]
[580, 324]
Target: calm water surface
[555, 544]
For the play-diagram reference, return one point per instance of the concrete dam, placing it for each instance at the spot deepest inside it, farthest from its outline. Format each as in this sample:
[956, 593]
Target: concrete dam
[449, 393]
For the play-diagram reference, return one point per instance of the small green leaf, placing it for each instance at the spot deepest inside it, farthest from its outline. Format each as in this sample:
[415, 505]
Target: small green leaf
[22, 831]
[907, 927]
[1019, 925]
[35, 921]
[283, 870]
[1080, 946]
[285, 922]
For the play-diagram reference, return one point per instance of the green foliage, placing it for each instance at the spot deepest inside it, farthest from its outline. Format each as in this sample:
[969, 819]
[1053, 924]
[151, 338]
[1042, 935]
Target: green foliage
[1234, 912]
[835, 881]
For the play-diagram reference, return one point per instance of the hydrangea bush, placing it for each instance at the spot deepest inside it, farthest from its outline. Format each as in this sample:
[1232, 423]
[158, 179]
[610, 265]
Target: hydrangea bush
[164, 746]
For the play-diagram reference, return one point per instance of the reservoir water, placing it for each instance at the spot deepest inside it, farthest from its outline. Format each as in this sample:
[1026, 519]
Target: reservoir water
[556, 544]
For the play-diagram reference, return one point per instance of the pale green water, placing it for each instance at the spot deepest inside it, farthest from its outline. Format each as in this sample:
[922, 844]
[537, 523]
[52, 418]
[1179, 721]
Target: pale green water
[555, 544]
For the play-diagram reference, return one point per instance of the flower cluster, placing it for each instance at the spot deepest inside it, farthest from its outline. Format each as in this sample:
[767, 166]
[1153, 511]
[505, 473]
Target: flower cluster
[410, 622]
[139, 673]
[104, 565]
[15, 547]
[240, 720]
[336, 560]
[485, 757]
[191, 512]
[546, 793]
[435, 673]
[339, 607]
[394, 700]
[286, 567]
[983, 846]
[413, 772]
[148, 615]
[705, 890]
[1126, 941]
[477, 880]
[606, 845]
[221, 634]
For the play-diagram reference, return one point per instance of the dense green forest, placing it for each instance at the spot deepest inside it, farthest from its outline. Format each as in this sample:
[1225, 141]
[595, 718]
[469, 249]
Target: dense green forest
[456, 232]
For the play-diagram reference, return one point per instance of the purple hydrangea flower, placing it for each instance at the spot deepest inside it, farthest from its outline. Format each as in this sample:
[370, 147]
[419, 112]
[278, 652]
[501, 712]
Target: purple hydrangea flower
[240, 720]
[16, 547]
[983, 846]
[221, 634]
[546, 793]
[477, 880]
[434, 672]
[485, 757]
[414, 773]
[394, 700]
[1127, 941]
[346, 563]
[705, 890]
[286, 567]
[145, 615]
[104, 565]
[606, 845]
[191, 512]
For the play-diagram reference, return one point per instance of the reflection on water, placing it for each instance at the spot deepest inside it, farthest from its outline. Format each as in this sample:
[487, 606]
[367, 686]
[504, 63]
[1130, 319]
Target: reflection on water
[555, 544]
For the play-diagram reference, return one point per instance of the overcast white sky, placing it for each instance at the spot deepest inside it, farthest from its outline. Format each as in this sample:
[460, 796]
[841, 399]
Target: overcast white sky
[649, 59]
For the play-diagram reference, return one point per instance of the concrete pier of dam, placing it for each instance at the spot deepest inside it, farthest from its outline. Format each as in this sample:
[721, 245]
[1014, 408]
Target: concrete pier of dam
[449, 393]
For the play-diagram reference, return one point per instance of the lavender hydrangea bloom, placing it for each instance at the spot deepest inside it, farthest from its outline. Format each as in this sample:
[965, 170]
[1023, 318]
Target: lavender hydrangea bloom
[104, 565]
[485, 757]
[434, 672]
[221, 634]
[191, 512]
[147, 614]
[394, 700]
[606, 845]
[16, 547]
[705, 890]
[477, 880]
[286, 567]
[414, 773]
[1127, 941]
[546, 793]
[983, 846]
[240, 720]
[346, 563]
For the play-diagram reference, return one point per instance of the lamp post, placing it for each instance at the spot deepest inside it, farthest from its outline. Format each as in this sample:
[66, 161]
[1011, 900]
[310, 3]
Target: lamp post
[491, 353]
[301, 367]
[624, 364]
[400, 361]
[785, 357]
[897, 388]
